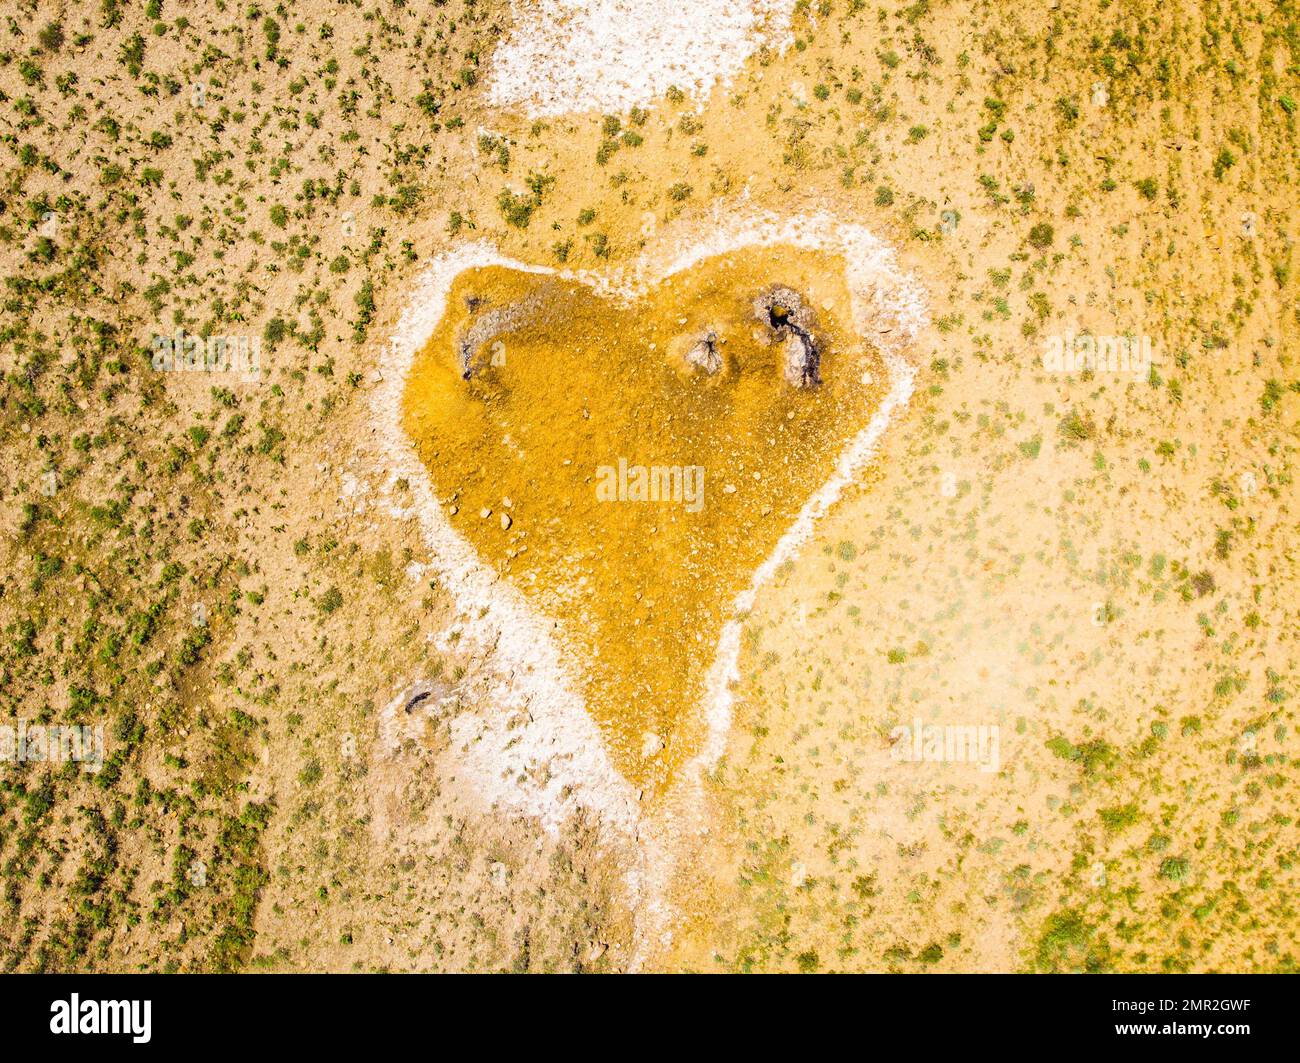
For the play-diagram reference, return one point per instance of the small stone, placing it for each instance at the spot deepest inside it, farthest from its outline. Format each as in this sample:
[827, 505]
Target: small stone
[454, 510]
[505, 521]
[484, 513]
[651, 745]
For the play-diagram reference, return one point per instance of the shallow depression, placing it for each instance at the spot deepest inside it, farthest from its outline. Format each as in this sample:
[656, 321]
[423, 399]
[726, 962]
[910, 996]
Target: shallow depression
[628, 464]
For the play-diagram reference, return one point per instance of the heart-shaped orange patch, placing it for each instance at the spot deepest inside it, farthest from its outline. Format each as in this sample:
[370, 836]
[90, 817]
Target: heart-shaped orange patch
[627, 463]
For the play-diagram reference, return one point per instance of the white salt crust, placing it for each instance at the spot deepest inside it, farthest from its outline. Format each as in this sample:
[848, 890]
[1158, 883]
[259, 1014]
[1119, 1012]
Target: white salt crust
[565, 56]
[533, 749]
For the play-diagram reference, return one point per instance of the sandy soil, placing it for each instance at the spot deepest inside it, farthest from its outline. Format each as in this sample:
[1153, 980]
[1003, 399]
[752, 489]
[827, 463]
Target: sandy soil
[1099, 563]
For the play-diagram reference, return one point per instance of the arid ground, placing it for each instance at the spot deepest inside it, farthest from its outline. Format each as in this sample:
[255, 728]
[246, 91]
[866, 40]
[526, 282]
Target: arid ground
[1093, 565]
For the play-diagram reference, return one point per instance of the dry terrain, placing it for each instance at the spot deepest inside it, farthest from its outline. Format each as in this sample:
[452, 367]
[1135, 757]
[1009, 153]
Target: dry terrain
[217, 568]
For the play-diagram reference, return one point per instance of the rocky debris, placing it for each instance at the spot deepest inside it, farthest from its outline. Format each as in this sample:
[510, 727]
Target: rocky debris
[783, 311]
[410, 712]
[491, 323]
[422, 691]
[802, 360]
[651, 745]
[704, 354]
